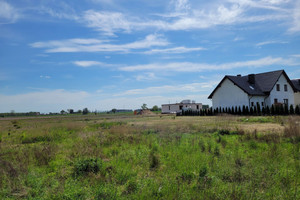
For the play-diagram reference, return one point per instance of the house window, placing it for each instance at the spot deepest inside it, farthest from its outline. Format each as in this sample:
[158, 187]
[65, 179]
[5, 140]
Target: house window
[262, 104]
[285, 88]
[169, 108]
[197, 107]
[180, 107]
[277, 87]
[286, 101]
[252, 103]
[275, 101]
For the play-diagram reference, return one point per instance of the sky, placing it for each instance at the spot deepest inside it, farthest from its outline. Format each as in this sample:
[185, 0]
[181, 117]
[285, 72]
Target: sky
[102, 54]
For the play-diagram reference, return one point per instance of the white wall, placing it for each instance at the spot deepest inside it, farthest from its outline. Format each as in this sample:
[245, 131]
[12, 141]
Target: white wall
[280, 95]
[297, 98]
[229, 95]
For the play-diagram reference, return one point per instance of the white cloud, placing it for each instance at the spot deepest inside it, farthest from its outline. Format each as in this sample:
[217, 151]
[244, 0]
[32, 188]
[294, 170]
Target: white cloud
[295, 27]
[108, 22]
[270, 42]
[95, 45]
[45, 76]
[8, 14]
[167, 89]
[198, 67]
[89, 63]
[146, 77]
[44, 101]
[174, 50]
[188, 16]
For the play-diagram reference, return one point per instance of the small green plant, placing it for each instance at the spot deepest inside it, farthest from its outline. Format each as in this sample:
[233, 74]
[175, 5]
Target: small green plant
[89, 165]
[154, 161]
[224, 132]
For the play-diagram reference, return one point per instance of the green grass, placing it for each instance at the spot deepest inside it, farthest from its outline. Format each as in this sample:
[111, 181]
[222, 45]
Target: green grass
[137, 157]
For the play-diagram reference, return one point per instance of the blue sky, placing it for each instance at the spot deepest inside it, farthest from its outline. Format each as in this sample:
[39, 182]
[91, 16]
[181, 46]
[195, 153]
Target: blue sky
[105, 54]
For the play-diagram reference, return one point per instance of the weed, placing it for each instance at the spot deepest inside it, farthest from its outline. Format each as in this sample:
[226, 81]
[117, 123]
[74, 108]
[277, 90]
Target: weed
[292, 130]
[224, 132]
[83, 166]
[154, 160]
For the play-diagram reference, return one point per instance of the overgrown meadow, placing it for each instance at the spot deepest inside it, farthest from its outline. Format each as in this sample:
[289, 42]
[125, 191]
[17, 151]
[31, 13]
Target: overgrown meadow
[150, 157]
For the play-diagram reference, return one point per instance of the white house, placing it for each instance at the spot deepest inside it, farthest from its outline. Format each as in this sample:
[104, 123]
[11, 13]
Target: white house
[296, 83]
[178, 107]
[265, 89]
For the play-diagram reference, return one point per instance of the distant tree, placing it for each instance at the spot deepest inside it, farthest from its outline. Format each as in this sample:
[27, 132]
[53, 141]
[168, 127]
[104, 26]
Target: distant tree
[85, 111]
[272, 109]
[71, 111]
[292, 111]
[79, 111]
[286, 109]
[258, 110]
[232, 110]
[251, 110]
[144, 106]
[205, 106]
[297, 110]
[155, 108]
[113, 110]
[244, 110]
[240, 110]
[267, 110]
[62, 112]
[247, 110]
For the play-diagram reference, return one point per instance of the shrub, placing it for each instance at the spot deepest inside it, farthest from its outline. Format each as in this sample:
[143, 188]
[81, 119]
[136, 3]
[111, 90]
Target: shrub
[292, 109]
[83, 166]
[154, 161]
[224, 132]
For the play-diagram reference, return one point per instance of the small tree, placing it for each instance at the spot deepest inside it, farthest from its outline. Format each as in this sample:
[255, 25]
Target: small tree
[85, 111]
[155, 108]
[297, 110]
[292, 111]
[62, 112]
[258, 110]
[113, 110]
[267, 110]
[144, 106]
[71, 111]
[272, 109]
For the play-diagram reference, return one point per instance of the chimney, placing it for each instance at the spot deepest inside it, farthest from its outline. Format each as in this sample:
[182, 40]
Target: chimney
[251, 78]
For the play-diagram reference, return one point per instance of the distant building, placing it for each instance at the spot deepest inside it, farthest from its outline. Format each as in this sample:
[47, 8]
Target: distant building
[182, 106]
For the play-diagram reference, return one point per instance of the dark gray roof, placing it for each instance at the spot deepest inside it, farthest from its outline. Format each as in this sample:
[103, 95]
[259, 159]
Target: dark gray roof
[263, 84]
[296, 83]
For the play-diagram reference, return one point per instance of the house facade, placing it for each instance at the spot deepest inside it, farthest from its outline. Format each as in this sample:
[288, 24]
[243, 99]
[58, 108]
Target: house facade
[182, 106]
[264, 89]
[296, 83]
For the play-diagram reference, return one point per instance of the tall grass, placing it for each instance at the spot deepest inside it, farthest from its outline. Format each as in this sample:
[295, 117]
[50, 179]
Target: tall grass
[149, 158]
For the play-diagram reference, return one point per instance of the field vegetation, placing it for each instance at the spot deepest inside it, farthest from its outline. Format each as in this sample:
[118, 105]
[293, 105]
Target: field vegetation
[150, 157]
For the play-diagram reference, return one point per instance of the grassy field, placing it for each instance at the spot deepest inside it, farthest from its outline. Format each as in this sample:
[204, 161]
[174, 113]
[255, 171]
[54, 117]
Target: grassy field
[150, 157]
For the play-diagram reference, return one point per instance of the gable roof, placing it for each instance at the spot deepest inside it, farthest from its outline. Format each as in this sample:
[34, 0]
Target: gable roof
[263, 84]
[296, 83]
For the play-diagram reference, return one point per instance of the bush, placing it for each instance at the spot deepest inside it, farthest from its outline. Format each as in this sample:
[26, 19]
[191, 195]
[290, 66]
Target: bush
[224, 132]
[88, 165]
